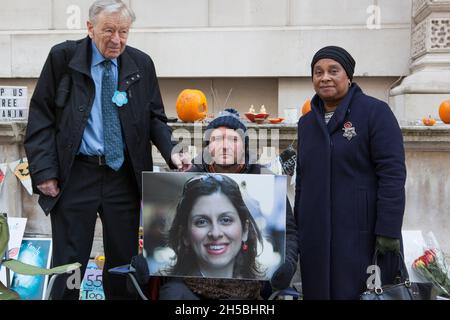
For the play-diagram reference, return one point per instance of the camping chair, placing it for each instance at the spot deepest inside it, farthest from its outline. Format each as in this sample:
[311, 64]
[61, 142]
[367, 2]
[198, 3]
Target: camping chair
[138, 274]
[285, 294]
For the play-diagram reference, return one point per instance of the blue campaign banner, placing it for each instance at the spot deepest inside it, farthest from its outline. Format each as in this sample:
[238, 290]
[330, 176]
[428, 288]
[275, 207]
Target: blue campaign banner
[36, 252]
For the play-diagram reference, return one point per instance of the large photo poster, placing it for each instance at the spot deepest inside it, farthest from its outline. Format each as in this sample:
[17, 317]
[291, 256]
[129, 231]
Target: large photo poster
[229, 226]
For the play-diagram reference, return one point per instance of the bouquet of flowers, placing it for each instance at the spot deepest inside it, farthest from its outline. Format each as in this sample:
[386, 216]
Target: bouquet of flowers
[433, 267]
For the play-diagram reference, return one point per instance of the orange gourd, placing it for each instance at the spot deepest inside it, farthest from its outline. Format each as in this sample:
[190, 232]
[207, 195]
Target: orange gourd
[428, 121]
[306, 107]
[191, 105]
[444, 111]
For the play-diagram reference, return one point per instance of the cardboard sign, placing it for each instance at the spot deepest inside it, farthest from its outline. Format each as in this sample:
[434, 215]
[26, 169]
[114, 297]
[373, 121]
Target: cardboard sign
[92, 285]
[13, 104]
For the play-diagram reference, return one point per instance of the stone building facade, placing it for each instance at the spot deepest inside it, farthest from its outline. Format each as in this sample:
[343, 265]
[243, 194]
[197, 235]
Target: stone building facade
[259, 52]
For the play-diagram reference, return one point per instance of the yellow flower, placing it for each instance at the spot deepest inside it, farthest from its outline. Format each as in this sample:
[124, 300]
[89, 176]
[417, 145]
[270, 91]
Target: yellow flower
[419, 263]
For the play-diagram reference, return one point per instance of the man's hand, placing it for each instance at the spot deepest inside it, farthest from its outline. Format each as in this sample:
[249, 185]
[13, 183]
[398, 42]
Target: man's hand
[182, 161]
[49, 188]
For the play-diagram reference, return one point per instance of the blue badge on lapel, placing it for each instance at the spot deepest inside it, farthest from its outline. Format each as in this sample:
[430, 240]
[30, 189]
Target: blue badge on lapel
[120, 98]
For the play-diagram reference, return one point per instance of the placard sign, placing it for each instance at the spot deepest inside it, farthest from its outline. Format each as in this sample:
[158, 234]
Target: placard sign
[13, 104]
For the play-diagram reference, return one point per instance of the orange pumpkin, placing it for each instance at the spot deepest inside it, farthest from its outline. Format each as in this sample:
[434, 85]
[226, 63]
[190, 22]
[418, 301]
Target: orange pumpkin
[428, 121]
[444, 111]
[191, 105]
[306, 107]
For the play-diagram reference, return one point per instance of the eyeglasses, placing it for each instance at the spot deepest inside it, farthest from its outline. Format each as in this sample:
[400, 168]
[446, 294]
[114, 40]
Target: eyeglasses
[201, 179]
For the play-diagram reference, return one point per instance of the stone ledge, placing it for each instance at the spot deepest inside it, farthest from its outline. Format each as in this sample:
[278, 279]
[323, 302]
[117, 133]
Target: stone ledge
[425, 9]
[435, 138]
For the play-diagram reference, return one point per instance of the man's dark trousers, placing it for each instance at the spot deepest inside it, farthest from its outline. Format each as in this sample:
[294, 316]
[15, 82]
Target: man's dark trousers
[92, 189]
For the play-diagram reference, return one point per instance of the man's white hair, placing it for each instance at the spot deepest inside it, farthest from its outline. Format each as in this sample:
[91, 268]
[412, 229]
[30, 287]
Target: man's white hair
[109, 6]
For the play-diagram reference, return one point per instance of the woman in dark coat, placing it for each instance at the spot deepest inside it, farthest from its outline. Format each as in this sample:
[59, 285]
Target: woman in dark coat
[350, 194]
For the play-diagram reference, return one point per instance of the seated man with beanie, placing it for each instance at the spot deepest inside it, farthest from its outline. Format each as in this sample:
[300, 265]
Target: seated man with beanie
[227, 151]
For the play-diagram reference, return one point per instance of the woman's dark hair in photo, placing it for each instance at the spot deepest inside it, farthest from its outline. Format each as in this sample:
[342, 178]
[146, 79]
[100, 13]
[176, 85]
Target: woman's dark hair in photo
[245, 265]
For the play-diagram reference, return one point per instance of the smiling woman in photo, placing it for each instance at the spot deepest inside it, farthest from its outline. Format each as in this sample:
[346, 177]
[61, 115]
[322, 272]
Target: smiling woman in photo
[213, 233]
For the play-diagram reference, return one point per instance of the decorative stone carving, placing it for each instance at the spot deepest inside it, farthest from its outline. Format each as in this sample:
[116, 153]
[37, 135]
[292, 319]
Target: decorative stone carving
[418, 5]
[440, 34]
[429, 82]
[431, 35]
[419, 40]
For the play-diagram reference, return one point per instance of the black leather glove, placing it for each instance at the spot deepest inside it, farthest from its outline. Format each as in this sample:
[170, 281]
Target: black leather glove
[281, 278]
[385, 244]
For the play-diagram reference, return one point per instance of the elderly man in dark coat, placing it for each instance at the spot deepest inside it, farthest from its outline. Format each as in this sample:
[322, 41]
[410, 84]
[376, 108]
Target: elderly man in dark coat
[94, 113]
[350, 194]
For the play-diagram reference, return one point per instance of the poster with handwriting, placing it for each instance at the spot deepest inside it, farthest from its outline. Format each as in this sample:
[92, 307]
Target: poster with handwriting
[36, 252]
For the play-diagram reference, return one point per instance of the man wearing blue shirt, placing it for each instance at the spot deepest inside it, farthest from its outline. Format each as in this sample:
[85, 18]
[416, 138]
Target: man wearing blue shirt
[93, 117]
[92, 142]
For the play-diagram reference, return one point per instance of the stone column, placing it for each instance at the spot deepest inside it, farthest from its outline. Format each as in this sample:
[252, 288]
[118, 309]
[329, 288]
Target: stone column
[421, 93]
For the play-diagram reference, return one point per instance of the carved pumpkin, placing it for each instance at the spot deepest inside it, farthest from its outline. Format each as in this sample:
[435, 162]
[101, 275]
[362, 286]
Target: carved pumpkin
[191, 105]
[306, 107]
[444, 111]
[428, 121]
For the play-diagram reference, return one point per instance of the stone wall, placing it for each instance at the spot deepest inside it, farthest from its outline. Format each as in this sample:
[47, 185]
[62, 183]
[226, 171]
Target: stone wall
[259, 48]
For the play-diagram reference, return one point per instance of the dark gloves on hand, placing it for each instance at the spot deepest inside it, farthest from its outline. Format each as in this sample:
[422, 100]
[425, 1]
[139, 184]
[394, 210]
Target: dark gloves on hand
[139, 263]
[385, 244]
[281, 279]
